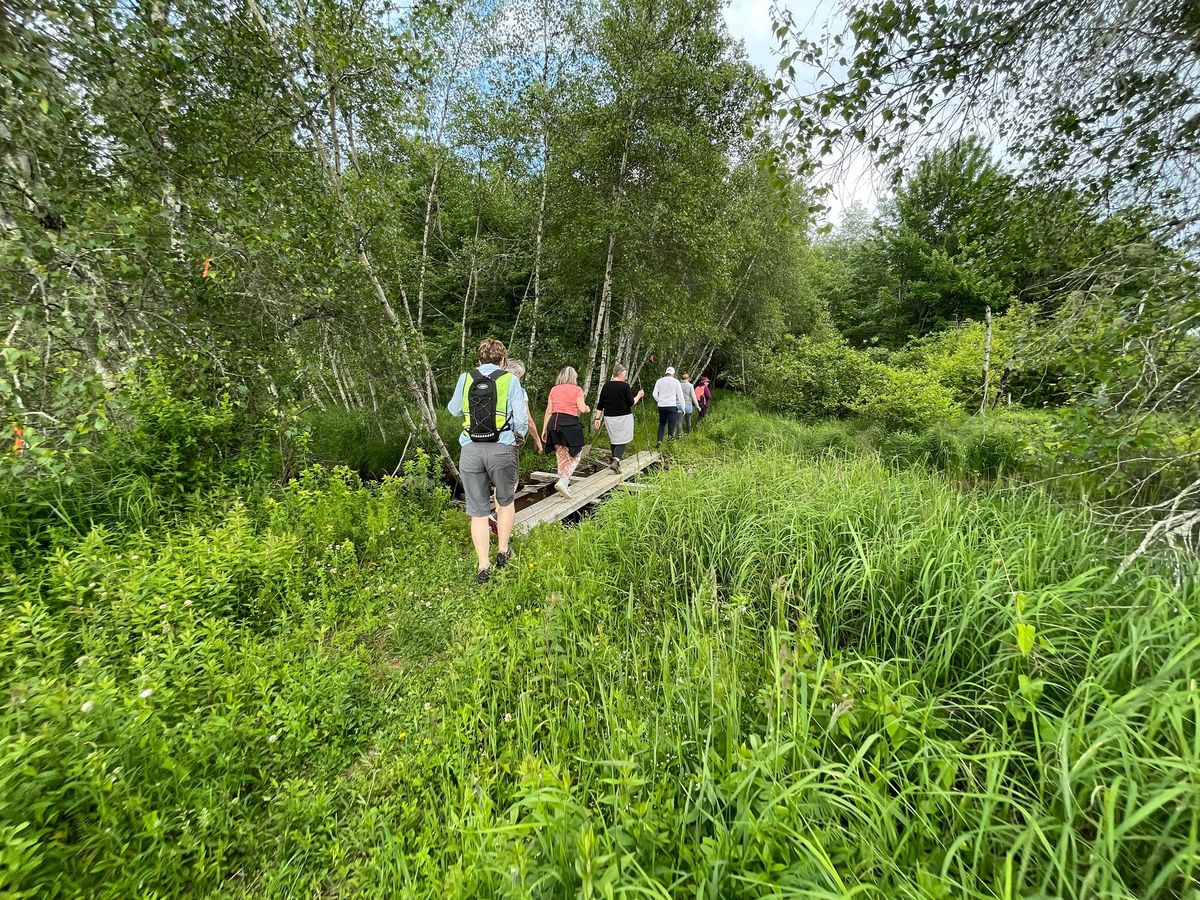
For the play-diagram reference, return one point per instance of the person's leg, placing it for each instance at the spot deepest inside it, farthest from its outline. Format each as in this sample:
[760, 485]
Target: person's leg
[663, 420]
[504, 470]
[481, 537]
[506, 516]
[618, 451]
[563, 460]
[572, 464]
[477, 489]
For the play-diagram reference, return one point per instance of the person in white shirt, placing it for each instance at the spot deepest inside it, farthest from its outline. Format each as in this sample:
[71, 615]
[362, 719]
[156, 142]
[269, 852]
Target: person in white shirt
[668, 394]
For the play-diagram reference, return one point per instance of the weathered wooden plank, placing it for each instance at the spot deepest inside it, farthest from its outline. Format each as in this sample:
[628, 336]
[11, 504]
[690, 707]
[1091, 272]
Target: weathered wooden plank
[583, 492]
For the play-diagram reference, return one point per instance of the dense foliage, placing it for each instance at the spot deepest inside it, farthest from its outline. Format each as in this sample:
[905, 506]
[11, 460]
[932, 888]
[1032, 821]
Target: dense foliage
[862, 676]
[879, 627]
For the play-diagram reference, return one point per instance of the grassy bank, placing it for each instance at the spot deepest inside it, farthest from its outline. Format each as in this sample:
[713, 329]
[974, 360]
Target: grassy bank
[774, 671]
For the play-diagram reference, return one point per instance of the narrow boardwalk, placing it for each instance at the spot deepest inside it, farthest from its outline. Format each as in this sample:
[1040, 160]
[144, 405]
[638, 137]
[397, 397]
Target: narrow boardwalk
[584, 491]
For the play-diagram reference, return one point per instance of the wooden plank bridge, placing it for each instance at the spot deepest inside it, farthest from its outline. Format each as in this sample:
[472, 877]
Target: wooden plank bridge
[584, 491]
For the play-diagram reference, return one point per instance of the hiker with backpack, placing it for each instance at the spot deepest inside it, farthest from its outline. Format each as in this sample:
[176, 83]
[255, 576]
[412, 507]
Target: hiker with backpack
[517, 367]
[668, 394]
[615, 410]
[492, 405]
[562, 429]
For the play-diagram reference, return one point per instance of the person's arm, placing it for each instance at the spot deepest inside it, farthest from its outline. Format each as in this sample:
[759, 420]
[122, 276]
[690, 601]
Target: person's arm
[546, 422]
[455, 406]
[518, 407]
[534, 432]
[581, 400]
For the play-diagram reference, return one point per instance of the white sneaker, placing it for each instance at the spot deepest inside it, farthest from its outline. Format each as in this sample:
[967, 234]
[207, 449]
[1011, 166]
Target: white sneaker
[561, 487]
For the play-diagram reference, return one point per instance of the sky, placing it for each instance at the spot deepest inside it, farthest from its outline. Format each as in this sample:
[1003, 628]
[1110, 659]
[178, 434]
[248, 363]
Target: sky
[750, 21]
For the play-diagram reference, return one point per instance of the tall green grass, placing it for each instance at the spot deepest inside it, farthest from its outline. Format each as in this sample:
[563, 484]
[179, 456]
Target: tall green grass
[819, 679]
[771, 673]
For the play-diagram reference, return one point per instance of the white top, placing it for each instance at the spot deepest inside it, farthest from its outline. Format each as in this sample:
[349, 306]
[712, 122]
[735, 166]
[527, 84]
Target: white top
[668, 392]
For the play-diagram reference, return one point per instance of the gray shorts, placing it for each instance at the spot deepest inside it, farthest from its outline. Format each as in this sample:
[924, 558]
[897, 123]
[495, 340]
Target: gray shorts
[483, 467]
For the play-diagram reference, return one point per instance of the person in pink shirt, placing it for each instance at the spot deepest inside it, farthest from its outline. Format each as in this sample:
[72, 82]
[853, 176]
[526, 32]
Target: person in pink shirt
[562, 429]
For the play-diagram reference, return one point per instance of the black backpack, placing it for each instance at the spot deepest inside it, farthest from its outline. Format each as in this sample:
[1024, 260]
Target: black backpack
[481, 403]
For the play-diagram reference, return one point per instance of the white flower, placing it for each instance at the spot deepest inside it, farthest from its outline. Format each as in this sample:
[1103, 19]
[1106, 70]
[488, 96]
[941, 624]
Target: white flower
[187, 602]
[145, 695]
[272, 739]
[87, 707]
[428, 706]
[508, 717]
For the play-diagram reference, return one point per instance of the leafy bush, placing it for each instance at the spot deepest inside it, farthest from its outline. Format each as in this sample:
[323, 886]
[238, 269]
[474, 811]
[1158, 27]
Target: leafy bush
[165, 440]
[810, 379]
[903, 399]
[172, 695]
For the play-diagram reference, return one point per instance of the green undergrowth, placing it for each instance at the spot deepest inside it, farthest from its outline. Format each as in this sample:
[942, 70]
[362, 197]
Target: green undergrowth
[770, 673]
[1003, 443]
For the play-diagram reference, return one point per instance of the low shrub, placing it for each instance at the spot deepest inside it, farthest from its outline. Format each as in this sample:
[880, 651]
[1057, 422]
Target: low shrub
[810, 379]
[903, 399]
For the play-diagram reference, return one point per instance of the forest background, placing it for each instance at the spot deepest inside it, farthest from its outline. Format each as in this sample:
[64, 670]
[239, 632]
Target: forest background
[278, 231]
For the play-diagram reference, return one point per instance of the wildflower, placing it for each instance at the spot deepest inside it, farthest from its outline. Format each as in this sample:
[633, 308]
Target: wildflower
[145, 695]
[187, 602]
[402, 735]
[508, 717]
[272, 738]
[428, 706]
[87, 707]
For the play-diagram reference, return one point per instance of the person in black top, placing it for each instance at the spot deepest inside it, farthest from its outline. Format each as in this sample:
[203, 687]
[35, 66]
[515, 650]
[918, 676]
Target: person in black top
[615, 409]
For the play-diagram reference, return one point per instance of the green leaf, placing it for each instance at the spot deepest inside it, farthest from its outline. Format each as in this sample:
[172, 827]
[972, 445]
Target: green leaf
[1026, 637]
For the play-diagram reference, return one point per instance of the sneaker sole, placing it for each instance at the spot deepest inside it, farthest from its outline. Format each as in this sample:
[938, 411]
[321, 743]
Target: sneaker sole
[563, 492]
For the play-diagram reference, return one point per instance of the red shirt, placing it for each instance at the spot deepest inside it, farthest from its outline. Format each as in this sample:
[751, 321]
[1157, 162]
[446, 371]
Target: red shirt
[564, 398]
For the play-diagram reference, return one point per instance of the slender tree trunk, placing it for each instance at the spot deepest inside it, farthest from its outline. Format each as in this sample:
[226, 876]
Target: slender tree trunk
[158, 12]
[473, 276]
[987, 357]
[600, 330]
[375, 408]
[537, 246]
[435, 175]
[430, 198]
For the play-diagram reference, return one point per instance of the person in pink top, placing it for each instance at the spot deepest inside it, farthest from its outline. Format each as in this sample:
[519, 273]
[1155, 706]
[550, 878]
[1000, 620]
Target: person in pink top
[562, 429]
